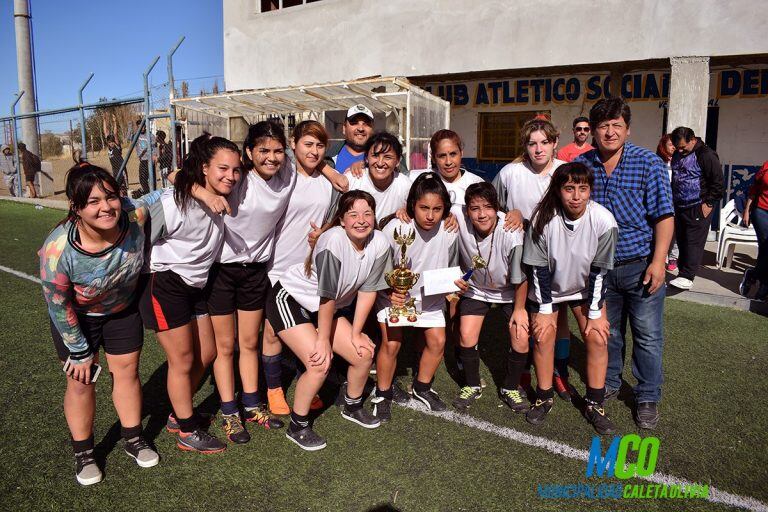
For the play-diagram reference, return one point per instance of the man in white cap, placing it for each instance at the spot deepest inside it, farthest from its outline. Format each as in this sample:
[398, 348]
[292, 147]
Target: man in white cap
[357, 129]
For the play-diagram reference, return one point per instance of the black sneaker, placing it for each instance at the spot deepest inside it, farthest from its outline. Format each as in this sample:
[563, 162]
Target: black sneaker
[430, 399]
[747, 282]
[142, 453]
[234, 429]
[610, 394]
[467, 396]
[596, 416]
[515, 399]
[87, 471]
[172, 424]
[399, 395]
[261, 416]
[361, 416]
[647, 415]
[306, 438]
[538, 411]
[199, 441]
[382, 408]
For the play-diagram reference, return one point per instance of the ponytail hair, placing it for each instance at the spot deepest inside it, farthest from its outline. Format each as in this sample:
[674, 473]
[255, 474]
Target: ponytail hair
[201, 151]
[81, 178]
[427, 183]
[346, 201]
[270, 129]
[550, 204]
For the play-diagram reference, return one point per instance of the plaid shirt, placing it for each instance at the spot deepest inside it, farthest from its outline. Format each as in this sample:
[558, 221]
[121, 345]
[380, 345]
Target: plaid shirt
[637, 193]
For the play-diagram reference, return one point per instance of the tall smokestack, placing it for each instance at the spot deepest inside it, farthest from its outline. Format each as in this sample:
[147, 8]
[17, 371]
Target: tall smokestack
[29, 132]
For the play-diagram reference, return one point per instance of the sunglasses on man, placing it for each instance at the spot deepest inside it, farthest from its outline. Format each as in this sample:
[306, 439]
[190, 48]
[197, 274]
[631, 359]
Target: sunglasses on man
[581, 129]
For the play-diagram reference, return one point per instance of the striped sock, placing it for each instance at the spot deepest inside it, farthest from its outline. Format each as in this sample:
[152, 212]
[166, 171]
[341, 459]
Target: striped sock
[353, 404]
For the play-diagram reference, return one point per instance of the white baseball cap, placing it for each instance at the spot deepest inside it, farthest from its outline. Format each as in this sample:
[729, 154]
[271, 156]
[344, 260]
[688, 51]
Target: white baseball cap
[360, 109]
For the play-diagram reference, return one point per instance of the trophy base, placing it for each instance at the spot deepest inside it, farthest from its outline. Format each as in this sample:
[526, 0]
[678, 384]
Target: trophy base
[400, 321]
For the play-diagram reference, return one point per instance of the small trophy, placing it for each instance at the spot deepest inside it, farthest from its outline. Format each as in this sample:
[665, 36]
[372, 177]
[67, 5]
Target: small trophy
[402, 279]
[478, 263]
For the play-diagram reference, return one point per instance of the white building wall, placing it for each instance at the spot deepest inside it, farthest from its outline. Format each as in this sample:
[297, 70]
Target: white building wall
[334, 40]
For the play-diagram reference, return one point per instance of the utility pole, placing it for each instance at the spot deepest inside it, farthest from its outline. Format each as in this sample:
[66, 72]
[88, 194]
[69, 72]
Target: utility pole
[22, 20]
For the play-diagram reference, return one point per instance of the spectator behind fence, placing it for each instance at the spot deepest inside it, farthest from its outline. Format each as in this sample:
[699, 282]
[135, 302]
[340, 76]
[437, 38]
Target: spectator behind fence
[115, 152]
[756, 213]
[164, 155]
[697, 185]
[632, 183]
[142, 151]
[30, 163]
[579, 146]
[8, 167]
[665, 150]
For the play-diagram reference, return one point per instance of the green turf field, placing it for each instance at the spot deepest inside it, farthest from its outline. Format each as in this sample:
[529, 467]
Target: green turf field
[712, 430]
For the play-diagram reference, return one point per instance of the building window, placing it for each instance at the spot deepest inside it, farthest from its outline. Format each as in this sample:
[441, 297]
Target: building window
[273, 5]
[498, 134]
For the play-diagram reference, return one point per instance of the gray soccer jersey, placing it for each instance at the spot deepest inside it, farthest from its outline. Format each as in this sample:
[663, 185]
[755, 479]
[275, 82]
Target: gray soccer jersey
[257, 206]
[339, 270]
[570, 264]
[520, 188]
[503, 252]
[430, 250]
[310, 202]
[389, 200]
[186, 243]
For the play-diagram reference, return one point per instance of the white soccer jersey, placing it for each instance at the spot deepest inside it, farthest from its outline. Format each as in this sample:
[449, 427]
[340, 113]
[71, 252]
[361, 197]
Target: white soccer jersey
[339, 270]
[185, 242]
[502, 251]
[257, 206]
[430, 250]
[310, 201]
[456, 189]
[388, 201]
[520, 188]
[569, 263]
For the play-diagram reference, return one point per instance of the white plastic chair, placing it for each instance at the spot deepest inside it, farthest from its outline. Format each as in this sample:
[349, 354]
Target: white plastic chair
[730, 233]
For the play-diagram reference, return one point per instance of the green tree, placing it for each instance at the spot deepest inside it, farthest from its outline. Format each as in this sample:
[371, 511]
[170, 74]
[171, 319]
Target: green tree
[50, 145]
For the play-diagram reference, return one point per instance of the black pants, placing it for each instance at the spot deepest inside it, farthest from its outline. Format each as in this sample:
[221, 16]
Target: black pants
[144, 176]
[691, 228]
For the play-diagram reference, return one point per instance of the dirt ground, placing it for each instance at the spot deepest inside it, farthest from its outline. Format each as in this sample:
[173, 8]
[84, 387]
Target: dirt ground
[62, 164]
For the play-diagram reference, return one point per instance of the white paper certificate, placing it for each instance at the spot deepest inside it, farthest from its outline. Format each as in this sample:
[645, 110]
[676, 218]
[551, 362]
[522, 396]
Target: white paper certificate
[441, 280]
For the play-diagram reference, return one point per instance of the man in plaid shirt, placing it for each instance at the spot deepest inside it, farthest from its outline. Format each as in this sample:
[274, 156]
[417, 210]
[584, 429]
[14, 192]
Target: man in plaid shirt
[632, 182]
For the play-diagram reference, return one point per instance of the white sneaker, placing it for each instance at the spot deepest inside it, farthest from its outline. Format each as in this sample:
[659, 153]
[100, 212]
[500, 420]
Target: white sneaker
[681, 283]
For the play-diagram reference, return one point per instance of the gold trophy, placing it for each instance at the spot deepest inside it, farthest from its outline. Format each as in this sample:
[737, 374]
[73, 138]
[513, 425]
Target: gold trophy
[402, 279]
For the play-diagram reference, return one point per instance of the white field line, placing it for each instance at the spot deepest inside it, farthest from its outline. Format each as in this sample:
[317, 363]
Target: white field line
[21, 274]
[715, 495]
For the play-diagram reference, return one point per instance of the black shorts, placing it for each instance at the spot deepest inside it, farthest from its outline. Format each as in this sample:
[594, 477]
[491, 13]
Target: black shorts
[233, 286]
[533, 307]
[469, 306]
[168, 302]
[119, 333]
[283, 312]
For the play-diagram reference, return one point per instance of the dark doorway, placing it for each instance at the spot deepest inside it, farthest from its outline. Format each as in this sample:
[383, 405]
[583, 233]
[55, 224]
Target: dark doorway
[713, 119]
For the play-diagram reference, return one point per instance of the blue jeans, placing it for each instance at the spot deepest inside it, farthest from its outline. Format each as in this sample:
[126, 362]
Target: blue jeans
[759, 219]
[627, 299]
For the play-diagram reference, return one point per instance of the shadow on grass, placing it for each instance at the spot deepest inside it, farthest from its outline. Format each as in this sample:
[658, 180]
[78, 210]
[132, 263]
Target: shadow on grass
[156, 407]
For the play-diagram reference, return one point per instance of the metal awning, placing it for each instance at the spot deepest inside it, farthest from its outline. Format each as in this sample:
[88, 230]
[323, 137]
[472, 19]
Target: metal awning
[378, 94]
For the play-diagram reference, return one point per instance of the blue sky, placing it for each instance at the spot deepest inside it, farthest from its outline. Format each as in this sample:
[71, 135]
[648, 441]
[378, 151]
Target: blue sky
[116, 40]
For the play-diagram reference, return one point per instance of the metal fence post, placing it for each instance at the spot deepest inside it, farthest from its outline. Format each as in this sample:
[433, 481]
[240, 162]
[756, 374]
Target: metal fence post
[84, 153]
[171, 106]
[150, 164]
[16, 142]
